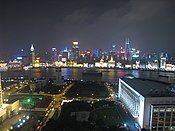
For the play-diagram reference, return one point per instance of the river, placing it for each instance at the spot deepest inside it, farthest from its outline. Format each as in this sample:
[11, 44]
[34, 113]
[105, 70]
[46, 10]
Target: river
[111, 75]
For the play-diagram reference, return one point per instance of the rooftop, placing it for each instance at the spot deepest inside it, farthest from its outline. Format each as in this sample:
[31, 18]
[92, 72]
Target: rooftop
[150, 88]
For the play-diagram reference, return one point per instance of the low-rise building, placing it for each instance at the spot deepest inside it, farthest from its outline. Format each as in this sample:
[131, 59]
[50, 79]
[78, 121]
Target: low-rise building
[7, 110]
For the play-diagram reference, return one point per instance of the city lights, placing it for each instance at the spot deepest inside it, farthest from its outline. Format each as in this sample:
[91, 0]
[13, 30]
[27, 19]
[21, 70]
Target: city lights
[87, 65]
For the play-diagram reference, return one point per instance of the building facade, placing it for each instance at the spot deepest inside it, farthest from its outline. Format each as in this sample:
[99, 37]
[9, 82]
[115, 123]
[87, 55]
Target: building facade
[75, 51]
[32, 49]
[150, 102]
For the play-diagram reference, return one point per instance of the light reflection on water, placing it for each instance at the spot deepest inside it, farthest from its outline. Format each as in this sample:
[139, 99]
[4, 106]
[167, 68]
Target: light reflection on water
[135, 73]
[76, 73]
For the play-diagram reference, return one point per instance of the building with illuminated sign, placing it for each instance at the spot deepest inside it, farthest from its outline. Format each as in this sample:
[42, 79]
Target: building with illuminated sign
[152, 103]
[75, 51]
[54, 54]
[65, 55]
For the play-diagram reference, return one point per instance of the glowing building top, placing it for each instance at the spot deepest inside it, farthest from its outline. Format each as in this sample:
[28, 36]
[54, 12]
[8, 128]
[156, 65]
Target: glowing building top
[75, 45]
[75, 42]
[75, 51]
[32, 48]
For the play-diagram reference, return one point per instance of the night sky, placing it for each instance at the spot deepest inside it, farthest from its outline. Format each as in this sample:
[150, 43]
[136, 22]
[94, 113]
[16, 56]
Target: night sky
[149, 24]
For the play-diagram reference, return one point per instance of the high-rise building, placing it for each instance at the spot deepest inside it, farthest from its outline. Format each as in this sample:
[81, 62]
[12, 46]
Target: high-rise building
[114, 48]
[135, 54]
[162, 62]
[121, 53]
[32, 49]
[113, 52]
[65, 55]
[22, 56]
[75, 51]
[47, 57]
[97, 54]
[127, 50]
[54, 55]
[88, 56]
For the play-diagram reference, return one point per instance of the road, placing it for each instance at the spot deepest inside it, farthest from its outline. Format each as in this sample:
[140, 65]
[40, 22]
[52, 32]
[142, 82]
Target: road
[127, 118]
[55, 105]
[14, 88]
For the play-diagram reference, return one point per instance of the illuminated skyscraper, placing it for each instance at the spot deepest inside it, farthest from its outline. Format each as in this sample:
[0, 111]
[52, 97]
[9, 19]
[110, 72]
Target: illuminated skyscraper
[113, 51]
[127, 50]
[75, 51]
[54, 55]
[65, 55]
[114, 48]
[32, 49]
[162, 62]
[97, 53]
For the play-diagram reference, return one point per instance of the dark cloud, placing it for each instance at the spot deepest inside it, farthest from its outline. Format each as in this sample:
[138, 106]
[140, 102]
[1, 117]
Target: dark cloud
[94, 23]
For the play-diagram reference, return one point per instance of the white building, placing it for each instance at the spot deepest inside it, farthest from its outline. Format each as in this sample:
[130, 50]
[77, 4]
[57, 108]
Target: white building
[101, 64]
[7, 110]
[111, 63]
[150, 102]
[163, 63]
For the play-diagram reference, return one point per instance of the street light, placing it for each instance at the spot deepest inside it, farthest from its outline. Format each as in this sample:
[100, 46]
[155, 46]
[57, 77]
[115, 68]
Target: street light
[125, 125]
[27, 117]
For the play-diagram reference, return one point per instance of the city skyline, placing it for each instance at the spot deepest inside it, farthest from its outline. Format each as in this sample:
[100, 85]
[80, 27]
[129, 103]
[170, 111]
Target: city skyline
[87, 65]
[148, 24]
[25, 51]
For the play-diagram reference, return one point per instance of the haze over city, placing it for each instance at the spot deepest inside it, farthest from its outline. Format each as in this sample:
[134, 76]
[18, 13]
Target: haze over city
[149, 24]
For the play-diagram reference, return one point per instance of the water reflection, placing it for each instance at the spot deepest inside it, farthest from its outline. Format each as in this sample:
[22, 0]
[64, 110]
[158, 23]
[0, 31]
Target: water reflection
[135, 73]
[38, 73]
[76, 73]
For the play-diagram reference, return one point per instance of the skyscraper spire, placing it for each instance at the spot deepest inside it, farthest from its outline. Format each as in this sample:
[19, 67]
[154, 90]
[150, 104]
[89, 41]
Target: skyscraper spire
[32, 49]
[127, 41]
[127, 49]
